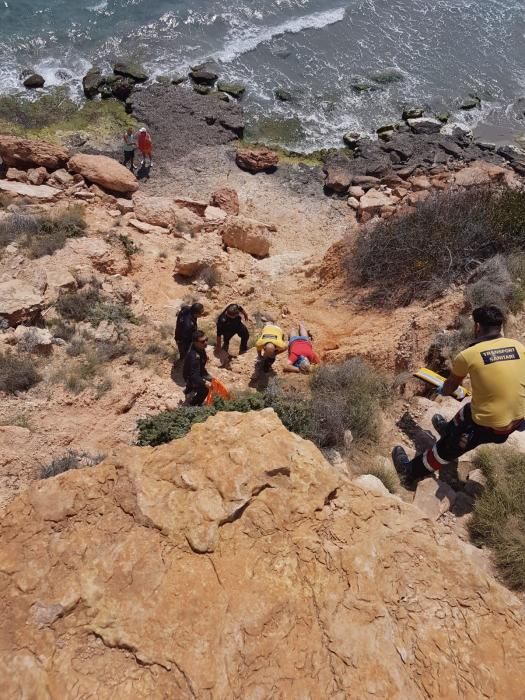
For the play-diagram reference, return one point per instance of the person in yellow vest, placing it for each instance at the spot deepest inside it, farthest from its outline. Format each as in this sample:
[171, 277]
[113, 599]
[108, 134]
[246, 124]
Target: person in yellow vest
[496, 366]
[269, 344]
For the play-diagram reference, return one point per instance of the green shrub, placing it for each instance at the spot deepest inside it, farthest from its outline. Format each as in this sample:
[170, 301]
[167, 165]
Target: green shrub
[170, 425]
[42, 235]
[418, 255]
[388, 477]
[89, 304]
[71, 460]
[498, 520]
[17, 373]
[347, 396]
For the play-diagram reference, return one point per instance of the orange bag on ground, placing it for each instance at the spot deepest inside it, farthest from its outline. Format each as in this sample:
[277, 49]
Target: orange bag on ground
[217, 389]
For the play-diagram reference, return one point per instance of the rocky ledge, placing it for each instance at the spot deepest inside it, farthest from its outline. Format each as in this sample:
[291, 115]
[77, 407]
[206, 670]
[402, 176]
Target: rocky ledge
[186, 572]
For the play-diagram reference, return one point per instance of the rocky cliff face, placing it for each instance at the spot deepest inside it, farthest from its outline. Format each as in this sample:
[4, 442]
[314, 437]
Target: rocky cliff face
[236, 563]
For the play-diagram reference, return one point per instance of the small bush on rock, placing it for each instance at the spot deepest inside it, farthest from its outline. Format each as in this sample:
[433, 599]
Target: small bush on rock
[71, 460]
[42, 235]
[89, 304]
[17, 373]
[417, 256]
[499, 513]
[347, 396]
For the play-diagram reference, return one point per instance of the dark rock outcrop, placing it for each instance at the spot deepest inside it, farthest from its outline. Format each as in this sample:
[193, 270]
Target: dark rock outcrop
[34, 81]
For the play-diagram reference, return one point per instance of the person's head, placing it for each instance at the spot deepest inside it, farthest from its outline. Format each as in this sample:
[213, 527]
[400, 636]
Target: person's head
[200, 340]
[269, 351]
[233, 310]
[143, 130]
[304, 364]
[130, 131]
[197, 309]
[488, 320]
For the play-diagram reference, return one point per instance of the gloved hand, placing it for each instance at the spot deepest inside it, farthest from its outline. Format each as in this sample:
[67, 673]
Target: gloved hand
[439, 389]
[459, 394]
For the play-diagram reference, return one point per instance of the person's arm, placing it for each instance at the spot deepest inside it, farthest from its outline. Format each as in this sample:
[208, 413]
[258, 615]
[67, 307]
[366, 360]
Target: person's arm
[220, 333]
[245, 315]
[195, 377]
[458, 374]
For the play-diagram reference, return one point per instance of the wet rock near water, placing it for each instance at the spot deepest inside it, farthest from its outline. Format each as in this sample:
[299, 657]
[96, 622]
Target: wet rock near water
[183, 121]
[34, 81]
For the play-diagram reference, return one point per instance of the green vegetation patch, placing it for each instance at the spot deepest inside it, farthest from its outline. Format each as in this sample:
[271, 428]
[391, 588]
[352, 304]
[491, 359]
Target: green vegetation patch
[54, 115]
[347, 396]
[499, 513]
[447, 237]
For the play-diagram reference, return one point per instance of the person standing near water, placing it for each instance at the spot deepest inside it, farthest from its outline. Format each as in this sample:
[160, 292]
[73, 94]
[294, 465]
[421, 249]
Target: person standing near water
[145, 147]
[130, 144]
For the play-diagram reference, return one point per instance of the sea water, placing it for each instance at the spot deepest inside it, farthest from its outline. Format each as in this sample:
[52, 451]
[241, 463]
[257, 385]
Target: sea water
[438, 52]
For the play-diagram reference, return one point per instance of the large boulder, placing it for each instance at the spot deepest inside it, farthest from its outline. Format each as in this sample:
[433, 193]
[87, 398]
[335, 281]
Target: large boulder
[236, 563]
[248, 235]
[199, 254]
[338, 175]
[226, 198]
[103, 171]
[374, 200]
[91, 82]
[19, 302]
[256, 160]
[130, 70]
[423, 125]
[22, 153]
[164, 211]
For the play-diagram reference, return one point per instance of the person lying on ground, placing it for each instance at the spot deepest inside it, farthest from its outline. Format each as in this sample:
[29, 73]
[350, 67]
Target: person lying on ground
[229, 323]
[130, 144]
[197, 379]
[496, 366]
[186, 326]
[301, 354]
[145, 147]
[269, 344]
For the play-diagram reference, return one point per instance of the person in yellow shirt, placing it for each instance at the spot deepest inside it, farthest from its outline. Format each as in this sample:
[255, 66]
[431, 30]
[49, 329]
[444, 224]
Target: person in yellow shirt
[269, 344]
[496, 366]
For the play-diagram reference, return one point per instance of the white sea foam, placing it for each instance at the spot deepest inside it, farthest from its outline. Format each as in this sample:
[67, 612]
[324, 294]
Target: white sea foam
[241, 41]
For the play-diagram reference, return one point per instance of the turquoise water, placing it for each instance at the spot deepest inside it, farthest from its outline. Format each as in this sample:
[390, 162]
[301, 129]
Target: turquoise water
[441, 51]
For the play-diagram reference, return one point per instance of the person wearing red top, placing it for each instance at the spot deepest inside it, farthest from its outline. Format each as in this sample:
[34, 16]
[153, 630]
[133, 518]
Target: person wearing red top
[301, 354]
[145, 147]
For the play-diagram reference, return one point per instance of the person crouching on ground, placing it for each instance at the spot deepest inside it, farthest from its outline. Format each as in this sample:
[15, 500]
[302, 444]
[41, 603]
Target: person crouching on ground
[197, 379]
[301, 355]
[496, 366]
[130, 144]
[186, 326]
[269, 344]
[145, 147]
[229, 324]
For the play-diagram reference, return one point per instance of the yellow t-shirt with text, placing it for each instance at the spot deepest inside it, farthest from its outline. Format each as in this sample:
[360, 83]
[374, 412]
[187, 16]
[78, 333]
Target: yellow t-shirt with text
[497, 376]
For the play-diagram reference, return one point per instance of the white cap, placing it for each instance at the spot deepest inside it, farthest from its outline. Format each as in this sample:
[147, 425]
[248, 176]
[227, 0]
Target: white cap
[143, 129]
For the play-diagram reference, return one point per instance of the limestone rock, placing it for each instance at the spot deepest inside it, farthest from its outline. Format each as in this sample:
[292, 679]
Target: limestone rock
[106, 332]
[214, 214]
[104, 171]
[248, 235]
[59, 278]
[481, 173]
[37, 176]
[143, 227]
[16, 175]
[195, 205]
[256, 160]
[371, 484]
[61, 178]
[375, 199]
[42, 192]
[163, 211]
[434, 497]
[199, 254]
[125, 206]
[17, 152]
[250, 570]
[104, 257]
[338, 175]
[32, 339]
[226, 198]
[19, 302]
[423, 125]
